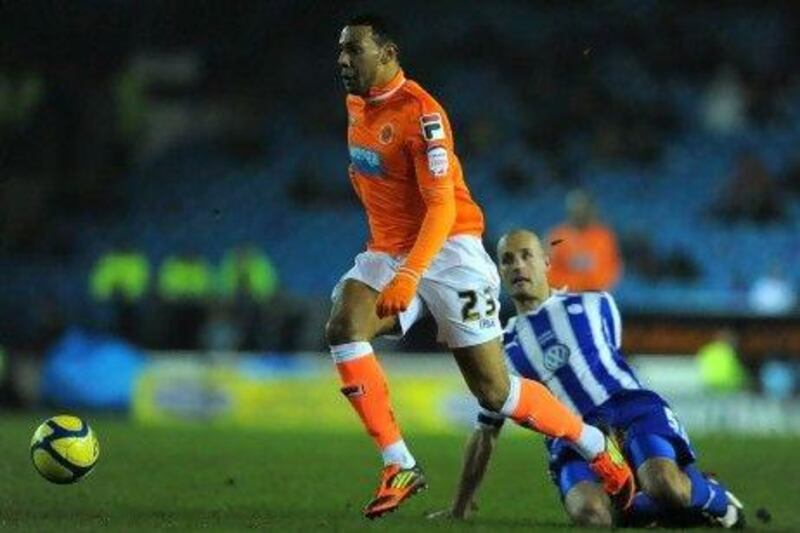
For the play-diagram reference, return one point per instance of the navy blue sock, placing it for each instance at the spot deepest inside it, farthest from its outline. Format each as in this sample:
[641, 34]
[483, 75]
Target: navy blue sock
[643, 512]
[644, 507]
[706, 496]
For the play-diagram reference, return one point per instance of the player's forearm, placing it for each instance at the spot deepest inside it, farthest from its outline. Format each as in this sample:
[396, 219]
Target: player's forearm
[439, 219]
[476, 459]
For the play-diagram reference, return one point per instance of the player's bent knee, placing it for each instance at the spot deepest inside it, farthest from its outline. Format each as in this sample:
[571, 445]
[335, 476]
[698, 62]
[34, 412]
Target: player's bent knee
[491, 396]
[591, 513]
[665, 483]
[340, 330]
[588, 505]
[490, 403]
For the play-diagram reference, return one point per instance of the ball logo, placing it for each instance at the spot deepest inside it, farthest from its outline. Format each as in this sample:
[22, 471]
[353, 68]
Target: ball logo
[555, 357]
[387, 134]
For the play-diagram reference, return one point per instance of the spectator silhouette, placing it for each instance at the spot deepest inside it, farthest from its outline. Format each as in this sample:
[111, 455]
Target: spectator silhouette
[120, 280]
[584, 251]
[750, 194]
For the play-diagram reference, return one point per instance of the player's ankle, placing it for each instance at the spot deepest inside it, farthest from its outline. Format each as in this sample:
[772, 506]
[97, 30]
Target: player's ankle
[590, 443]
[398, 454]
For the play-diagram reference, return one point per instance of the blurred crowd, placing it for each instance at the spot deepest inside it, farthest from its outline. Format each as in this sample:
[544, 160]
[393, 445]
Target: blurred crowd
[190, 304]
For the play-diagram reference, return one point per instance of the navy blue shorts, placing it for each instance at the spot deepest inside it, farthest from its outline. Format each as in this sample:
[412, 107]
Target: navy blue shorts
[649, 427]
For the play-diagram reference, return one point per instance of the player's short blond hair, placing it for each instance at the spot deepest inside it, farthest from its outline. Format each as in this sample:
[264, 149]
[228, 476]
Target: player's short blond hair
[520, 231]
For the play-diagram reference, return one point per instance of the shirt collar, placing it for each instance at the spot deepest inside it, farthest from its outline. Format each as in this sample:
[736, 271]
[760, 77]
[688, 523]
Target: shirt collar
[379, 94]
[554, 293]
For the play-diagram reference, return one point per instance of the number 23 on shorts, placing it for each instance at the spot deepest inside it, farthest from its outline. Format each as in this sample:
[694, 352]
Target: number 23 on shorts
[469, 312]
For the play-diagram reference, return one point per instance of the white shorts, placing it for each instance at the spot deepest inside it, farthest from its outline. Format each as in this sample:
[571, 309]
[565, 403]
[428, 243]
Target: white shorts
[460, 289]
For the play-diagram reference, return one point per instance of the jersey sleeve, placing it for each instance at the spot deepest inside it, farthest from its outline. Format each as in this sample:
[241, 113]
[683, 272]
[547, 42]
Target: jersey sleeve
[612, 319]
[430, 144]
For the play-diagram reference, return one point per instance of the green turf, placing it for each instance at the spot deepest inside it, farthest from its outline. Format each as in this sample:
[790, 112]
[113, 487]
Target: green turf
[190, 479]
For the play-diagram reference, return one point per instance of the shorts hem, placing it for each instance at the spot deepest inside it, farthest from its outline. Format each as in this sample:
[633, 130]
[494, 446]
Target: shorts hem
[468, 343]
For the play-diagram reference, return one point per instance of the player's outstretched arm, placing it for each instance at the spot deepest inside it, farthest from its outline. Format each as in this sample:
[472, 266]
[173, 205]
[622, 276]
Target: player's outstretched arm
[479, 451]
[435, 166]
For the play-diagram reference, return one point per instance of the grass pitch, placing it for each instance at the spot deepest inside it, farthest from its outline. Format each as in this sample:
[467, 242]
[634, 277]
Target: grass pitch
[215, 479]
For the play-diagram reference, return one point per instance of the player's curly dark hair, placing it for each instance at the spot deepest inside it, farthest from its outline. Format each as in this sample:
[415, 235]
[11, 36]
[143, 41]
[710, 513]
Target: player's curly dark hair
[381, 30]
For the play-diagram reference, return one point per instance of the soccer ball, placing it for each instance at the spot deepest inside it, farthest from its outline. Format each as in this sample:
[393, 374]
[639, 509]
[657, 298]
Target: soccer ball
[64, 449]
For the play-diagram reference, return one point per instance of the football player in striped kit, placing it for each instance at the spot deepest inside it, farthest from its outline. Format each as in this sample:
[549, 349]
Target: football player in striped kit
[571, 342]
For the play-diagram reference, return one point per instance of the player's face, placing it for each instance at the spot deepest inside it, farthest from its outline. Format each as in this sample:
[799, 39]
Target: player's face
[523, 266]
[359, 58]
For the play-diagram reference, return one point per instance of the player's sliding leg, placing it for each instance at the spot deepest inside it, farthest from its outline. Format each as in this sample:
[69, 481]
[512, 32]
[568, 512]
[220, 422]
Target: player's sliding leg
[647, 510]
[668, 487]
[536, 408]
[533, 406]
[585, 499]
[352, 325]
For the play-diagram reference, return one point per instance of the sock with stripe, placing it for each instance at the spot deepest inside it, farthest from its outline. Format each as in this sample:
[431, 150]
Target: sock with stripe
[645, 511]
[532, 405]
[707, 496]
[364, 385]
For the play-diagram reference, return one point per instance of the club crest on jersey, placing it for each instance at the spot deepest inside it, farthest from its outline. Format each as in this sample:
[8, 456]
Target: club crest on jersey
[386, 135]
[365, 161]
[555, 356]
[432, 127]
[574, 309]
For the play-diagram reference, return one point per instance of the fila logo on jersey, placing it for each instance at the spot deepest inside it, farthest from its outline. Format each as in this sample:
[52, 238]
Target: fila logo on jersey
[437, 161]
[556, 356]
[432, 128]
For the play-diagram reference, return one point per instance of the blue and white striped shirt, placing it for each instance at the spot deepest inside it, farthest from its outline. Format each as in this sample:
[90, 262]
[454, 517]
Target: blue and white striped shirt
[571, 344]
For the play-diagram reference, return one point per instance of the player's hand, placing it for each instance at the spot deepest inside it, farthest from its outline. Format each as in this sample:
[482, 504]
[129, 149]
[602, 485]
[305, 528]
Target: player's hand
[443, 514]
[452, 514]
[398, 294]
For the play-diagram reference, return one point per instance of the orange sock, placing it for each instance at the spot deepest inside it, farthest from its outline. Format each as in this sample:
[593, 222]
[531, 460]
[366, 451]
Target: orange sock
[532, 405]
[365, 386]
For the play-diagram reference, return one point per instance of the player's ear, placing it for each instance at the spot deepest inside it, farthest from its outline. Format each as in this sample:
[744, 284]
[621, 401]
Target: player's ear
[388, 53]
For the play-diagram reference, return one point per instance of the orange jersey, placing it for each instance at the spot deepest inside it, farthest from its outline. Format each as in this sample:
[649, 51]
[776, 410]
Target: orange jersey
[402, 164]
[585, 259]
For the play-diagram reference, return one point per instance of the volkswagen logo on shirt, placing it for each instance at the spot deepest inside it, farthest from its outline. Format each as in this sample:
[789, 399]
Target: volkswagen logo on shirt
[556, 356]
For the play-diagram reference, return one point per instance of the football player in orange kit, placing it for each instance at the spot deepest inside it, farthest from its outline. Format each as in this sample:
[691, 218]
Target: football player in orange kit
[425, 255]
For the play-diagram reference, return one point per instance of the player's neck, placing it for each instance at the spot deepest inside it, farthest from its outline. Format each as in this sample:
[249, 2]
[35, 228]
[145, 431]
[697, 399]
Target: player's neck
[532, 302]
[386, 80]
